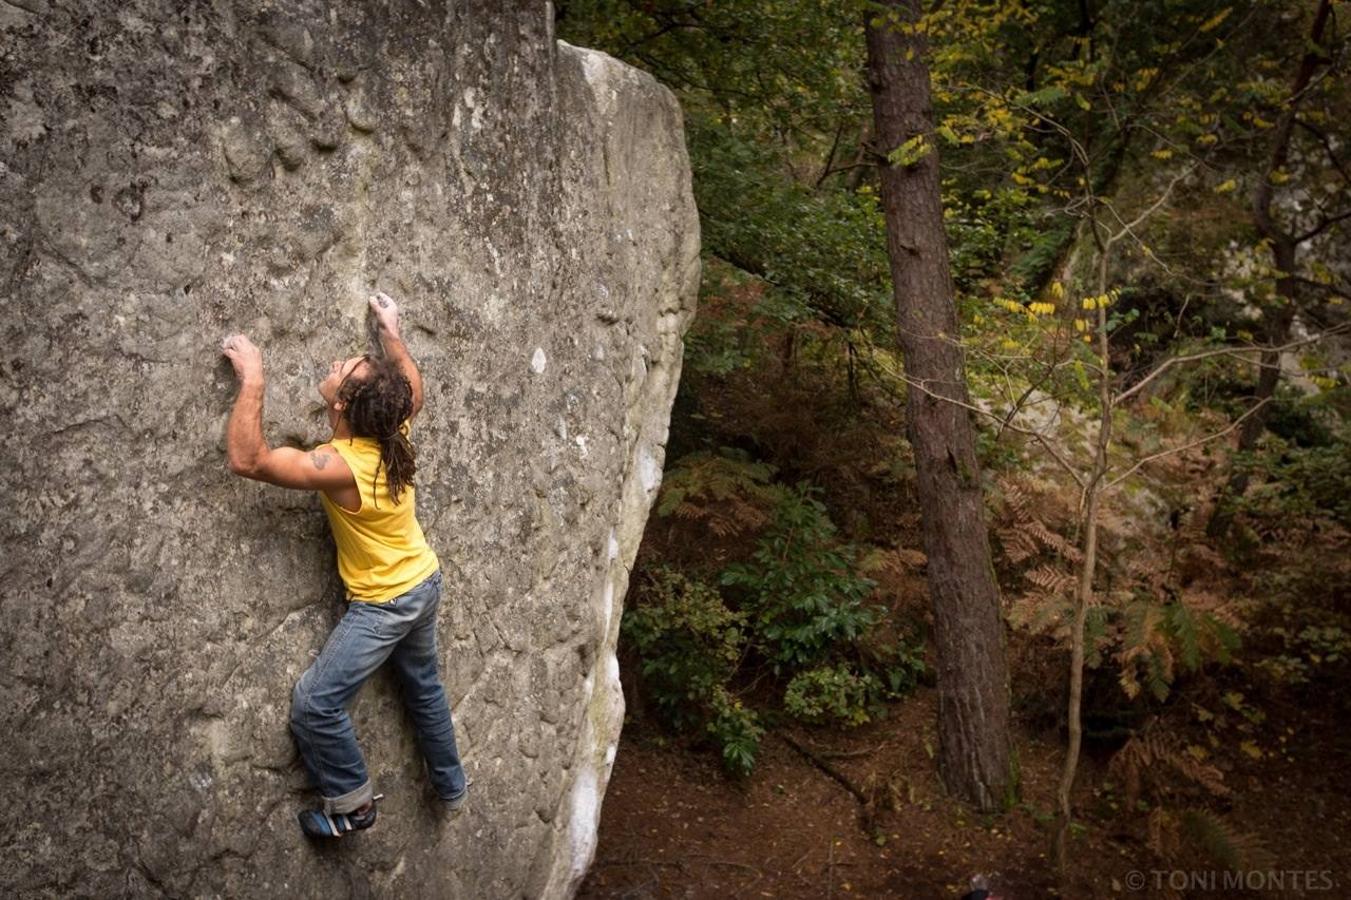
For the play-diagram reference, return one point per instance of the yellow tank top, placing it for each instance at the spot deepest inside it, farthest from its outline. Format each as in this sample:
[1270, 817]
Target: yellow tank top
[382, 552]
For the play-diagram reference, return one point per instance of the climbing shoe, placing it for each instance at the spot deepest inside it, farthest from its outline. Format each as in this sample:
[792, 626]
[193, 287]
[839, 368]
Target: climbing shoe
[319, 824]
[453, 804]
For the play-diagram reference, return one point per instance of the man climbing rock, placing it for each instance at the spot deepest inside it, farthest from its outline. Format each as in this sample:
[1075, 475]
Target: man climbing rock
[364, 476]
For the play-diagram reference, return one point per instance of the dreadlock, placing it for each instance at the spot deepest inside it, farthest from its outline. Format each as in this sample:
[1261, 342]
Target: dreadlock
[375, 407]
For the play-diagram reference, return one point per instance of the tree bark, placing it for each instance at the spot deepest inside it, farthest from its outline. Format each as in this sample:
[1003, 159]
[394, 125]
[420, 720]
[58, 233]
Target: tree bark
[973, 716]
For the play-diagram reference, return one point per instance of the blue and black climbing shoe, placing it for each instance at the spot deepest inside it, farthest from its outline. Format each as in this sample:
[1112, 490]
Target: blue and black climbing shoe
[319, 824]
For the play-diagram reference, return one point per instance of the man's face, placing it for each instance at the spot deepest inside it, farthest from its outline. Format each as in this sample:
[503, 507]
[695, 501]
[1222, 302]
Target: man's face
[340, 370]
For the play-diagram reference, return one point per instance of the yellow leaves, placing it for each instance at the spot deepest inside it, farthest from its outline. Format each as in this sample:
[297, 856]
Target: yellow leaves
[999, 116]
[1261, 122]
[1057, 290]
[1102, 301]
[1083, 102]
[1226, 186]
[1197, 752]
[1279, 176]
[1216, 20]
[1207, 140]
[1251, 749]
[910, 152]
[947, 134]
[1143, 78]
[1081, 325]
[1162, 153]
[1041, 308]
[1022, 180]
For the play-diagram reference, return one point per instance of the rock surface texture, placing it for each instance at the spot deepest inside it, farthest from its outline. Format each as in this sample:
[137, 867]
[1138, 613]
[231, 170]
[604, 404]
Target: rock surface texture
[172, 172]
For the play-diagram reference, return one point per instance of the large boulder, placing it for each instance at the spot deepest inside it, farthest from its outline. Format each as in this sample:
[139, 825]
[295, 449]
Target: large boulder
[173, 172]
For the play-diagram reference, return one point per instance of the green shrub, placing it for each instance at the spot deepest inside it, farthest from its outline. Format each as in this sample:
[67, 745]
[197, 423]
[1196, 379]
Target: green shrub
[832, 693]
[689, 644]
[802, 589]
[1300, 483]
[735, 729]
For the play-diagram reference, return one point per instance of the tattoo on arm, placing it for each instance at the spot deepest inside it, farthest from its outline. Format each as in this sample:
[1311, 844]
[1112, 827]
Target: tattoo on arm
[319, 459]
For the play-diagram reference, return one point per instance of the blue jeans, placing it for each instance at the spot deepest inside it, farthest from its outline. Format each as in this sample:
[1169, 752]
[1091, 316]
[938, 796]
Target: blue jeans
[403, 631]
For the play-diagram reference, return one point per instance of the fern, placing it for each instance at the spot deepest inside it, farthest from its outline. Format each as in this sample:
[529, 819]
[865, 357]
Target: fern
[1236, 850]
[726, 491]
[1143, 761]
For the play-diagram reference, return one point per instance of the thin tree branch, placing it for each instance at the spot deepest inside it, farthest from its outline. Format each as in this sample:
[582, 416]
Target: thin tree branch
[1323, 225]
[1222, 351]
[1036, 435]
[1196, 443]
[1327, 147]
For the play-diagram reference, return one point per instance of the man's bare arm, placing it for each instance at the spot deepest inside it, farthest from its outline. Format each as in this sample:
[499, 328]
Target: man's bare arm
[246, 449]
[387, 314]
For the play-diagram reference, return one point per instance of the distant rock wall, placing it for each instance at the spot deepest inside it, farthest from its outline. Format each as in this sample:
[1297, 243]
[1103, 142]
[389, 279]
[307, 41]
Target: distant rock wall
[172, 172]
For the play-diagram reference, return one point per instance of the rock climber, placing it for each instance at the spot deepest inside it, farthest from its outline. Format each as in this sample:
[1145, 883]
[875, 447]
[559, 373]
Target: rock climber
[364, 476]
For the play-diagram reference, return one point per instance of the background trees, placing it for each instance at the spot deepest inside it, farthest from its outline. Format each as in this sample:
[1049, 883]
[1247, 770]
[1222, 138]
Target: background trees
[1145, 209]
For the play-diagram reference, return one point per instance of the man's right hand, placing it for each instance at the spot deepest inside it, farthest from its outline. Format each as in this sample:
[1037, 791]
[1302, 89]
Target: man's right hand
[244, 356]
[386, 313]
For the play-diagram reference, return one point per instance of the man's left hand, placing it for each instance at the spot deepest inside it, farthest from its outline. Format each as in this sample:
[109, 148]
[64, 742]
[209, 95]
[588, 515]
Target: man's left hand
[386, 313]
[244, 356]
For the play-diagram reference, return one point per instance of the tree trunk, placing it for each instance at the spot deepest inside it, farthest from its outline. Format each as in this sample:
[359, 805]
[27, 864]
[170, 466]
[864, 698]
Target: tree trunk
[1083, 595]
[973, 691]
[1276, 333]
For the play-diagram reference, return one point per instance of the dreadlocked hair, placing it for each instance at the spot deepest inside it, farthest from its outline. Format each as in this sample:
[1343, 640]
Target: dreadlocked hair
[375, 407]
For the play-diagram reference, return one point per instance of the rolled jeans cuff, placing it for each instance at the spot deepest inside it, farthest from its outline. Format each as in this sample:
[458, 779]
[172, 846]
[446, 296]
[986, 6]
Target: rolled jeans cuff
[351, 801]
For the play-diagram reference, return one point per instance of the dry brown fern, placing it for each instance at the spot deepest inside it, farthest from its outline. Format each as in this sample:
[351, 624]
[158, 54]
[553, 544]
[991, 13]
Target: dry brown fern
[1145, 763]
[726, 492]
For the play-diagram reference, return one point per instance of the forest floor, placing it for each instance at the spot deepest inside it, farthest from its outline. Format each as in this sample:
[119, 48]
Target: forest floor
[675, 825]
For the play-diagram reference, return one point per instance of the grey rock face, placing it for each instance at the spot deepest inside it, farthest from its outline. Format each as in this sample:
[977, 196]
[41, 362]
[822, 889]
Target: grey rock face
[173, 172]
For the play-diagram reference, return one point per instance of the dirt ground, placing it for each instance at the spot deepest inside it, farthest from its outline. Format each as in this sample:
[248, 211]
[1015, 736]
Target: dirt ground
[673, 825]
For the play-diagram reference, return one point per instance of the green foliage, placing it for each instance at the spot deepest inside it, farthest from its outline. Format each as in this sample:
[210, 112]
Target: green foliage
[1163, 639]
[831, 694]
[1307, 652]
[690, 644]
[1297, 483]
[801, 609]
[822, 251]
[736, 730]
[801, 587]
